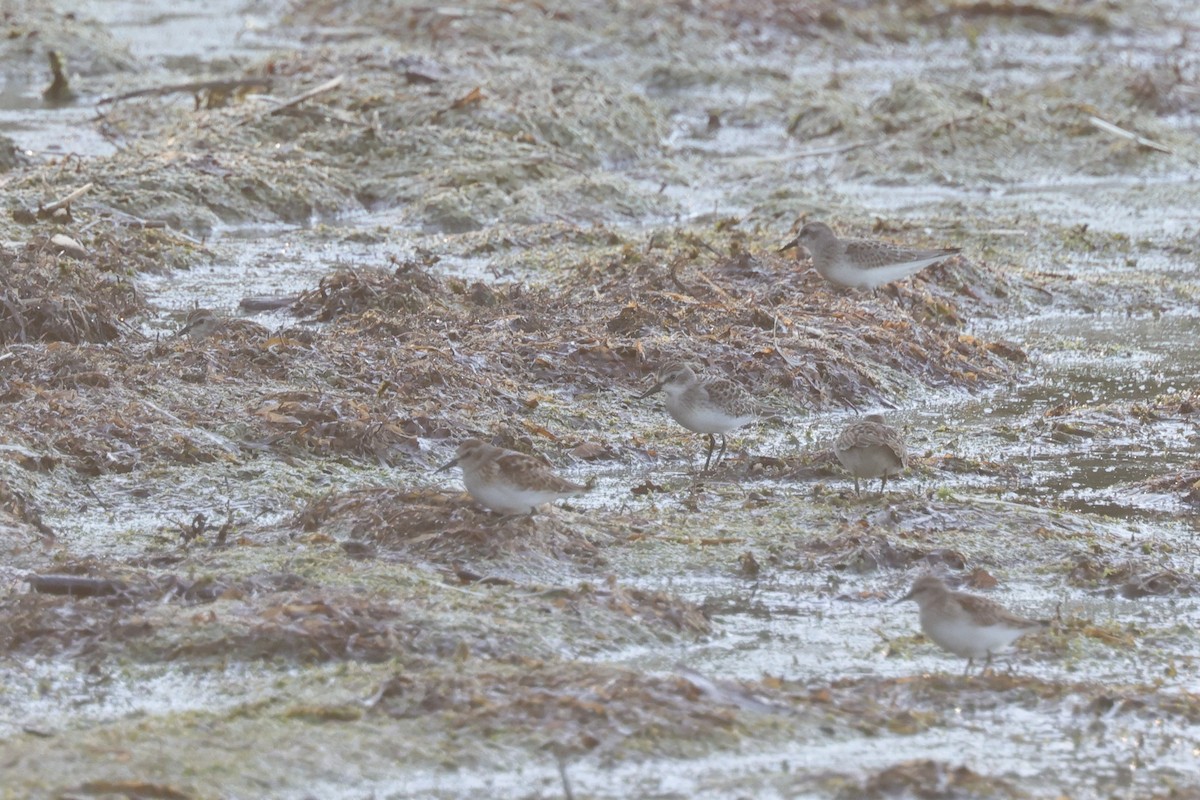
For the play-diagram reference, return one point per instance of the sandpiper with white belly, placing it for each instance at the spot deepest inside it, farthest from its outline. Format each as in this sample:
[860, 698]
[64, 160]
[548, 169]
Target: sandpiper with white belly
[870, 448]
[507, 481]
[965, 624]
[710, 405]
[862, 263]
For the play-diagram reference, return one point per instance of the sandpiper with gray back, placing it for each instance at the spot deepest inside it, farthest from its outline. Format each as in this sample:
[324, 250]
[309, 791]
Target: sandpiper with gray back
[870, 448]
[507, 481]
[965, 624]
[710, 405]
[201, 323]
[861, 263]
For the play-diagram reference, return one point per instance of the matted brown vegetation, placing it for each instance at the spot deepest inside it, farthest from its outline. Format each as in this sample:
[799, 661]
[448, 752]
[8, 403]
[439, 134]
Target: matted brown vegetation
[42, 623]
[927, 779]
[1185, 483]
[447, 528]
[861, 550]
[408, 288]
[1131, 577]
[570, 710]
[564, 160]
[45, 297]
[413, 355]
[96, 611]
[610, 321]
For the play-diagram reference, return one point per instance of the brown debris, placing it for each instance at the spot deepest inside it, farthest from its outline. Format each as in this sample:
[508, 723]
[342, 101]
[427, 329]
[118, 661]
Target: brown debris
[408, 288]
[26, 510]
[327, 424]
[867, 552]
[132, 790]
[41, 302]
[445, 528]
[1160, 583]
[75, 585]
[927, 779]
[835, 349]
[418, 356]
[574, 710]
[86, 607]
[1185, 483]
[1133, 579]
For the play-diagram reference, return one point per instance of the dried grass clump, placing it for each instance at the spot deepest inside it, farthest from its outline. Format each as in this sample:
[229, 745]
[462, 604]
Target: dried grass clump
[1132, 578]
[1185, 483]
[928, 778]
[18, 506]
[467, 360]
[85, 406]
[48, 624]
[444, 527]
[768, 322]
[575, 708]
[863, 552]
[408, 288]
[328, 424]
[311, 628]
[51, 298]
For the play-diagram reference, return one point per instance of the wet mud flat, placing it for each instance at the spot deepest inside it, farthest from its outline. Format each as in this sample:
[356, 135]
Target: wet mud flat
[229, 570]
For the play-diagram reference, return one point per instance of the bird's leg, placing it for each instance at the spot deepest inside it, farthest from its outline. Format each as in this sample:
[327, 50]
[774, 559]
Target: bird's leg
[721, 455]
[882, 484]
[966, 671]
[857, 493]
[708, 456]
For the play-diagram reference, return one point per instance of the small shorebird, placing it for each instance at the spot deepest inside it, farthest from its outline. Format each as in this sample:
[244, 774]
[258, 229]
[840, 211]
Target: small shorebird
[965, 624]
[869, 448]
[861, 263]
[708, 405]
[508, 481]
[201, 323]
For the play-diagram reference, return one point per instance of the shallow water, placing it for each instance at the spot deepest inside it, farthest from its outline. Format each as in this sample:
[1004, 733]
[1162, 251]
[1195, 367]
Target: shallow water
[186, 36]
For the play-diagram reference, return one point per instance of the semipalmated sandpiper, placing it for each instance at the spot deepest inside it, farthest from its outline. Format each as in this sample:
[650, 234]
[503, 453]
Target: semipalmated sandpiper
[708, 405]
[870, 448]
[965, 624]
[201, 323]
[861, 263]
[508, 481]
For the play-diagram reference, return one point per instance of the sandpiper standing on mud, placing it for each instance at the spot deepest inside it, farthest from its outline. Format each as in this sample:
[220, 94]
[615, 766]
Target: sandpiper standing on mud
[870, 448]
[861, 263]
[709, 405]
[508, 481]
[965, 624]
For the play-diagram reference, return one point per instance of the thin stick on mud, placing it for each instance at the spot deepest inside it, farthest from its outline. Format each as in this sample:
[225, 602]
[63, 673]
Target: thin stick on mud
[191, 88]
[327, 86]
[820, 151]
[1116, 130]
[66, 201]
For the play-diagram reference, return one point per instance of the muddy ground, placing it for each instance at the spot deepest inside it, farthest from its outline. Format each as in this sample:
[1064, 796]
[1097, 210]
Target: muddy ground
[228, 567]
